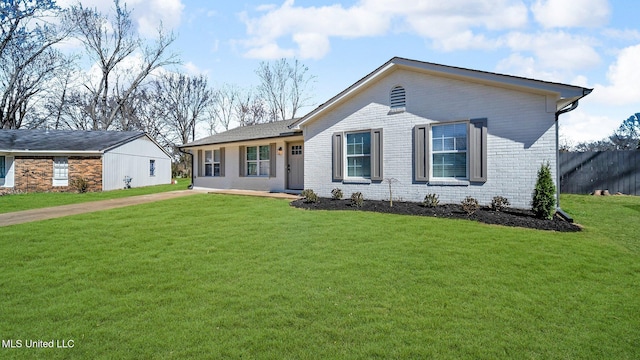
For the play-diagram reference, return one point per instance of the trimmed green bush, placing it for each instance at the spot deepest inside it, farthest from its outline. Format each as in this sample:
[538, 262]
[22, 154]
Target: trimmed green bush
[543, 202]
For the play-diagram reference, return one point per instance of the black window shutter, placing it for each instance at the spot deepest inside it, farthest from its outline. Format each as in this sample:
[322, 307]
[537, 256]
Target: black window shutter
[200, 163]
[478, 150]
[337, 156]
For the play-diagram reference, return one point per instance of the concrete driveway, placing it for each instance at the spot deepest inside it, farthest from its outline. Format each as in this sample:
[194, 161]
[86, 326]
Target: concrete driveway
[25, 216]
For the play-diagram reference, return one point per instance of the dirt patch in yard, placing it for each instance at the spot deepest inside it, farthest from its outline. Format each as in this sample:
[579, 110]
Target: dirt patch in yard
[506, 217]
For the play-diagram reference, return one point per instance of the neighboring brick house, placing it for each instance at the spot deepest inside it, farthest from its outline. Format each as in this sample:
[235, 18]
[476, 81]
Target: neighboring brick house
[49, 160]
[431, 128]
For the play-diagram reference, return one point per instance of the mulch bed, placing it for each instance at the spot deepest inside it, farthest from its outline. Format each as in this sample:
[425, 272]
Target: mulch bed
[507, 217]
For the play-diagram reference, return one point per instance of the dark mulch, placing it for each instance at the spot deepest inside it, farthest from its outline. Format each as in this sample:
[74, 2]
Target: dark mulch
[507, 217]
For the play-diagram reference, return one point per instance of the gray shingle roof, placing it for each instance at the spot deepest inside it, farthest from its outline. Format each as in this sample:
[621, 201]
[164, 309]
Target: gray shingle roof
[254, 132]
[64, 140]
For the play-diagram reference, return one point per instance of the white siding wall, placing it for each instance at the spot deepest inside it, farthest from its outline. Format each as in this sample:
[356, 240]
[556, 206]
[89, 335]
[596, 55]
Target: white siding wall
[521, 136]
[8, 180]
[232, 178]
[132, 159]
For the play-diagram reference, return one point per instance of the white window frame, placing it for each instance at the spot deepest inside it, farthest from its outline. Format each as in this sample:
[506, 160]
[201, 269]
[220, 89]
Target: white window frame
[456, 150]
[348, 156]
[60, 171]
[262, 166]
[152, 167]
[212, 163]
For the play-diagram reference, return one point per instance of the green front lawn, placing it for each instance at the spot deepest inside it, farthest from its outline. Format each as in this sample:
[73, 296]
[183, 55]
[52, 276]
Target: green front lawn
[221, 276]
[18, 202]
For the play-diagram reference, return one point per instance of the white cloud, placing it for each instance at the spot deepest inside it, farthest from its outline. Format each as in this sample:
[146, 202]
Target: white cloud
[574, 13]
[623, 76]
[147, 14]
[582, 126]
[308, 30]
[193, 69]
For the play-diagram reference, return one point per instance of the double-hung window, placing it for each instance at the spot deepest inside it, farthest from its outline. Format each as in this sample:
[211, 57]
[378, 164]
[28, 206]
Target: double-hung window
[212, 162]
[2, 167]
[60, 171]
[449, 151]
[452, 151]
[359, 154]
[257, 160]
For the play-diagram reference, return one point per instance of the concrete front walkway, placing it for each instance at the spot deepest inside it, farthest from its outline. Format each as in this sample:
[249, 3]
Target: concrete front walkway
[25, 216]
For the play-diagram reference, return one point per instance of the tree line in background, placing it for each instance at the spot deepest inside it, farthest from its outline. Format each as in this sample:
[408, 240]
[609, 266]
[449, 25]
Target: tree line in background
[130, 85]
[626, 137]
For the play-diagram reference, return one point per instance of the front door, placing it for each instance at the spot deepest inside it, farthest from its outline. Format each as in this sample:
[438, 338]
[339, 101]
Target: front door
[295, 166]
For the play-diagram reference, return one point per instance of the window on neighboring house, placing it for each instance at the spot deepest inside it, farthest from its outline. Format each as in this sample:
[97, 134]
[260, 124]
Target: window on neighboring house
[258, 160]
[397, 98]
[2, 167]
[152, 168]
[357, 155]
[60, 168]
[451, 151]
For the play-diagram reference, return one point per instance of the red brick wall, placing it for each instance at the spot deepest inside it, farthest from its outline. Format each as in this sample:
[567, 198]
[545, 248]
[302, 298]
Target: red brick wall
[35, 173]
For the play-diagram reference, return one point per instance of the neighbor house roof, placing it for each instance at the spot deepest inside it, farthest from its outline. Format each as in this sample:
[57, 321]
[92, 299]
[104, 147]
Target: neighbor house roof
[564, 94]
[62, 141]
[270, 130]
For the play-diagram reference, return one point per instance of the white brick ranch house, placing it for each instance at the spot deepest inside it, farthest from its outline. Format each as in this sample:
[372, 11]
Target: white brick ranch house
[432, 128]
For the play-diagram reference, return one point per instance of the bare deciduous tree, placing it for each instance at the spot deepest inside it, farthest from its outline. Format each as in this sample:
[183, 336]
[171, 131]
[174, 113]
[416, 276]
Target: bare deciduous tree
[183, 99]
[223, 109]
[109, 41]
[27, 57]
[251, 110]
[284, 87]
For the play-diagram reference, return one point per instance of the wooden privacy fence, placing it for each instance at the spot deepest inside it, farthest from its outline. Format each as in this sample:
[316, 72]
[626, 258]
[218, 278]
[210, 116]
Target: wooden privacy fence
[584, 172]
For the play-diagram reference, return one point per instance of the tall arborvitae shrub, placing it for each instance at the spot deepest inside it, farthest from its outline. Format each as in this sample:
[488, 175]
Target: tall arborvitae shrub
[544, 195]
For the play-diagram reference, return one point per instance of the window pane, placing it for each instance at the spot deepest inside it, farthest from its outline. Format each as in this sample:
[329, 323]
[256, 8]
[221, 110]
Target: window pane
[264, 168]
[208, 156]
[252, 168]
[461, 143]
[450, 165]
[252, 153]
[216, 155]
[359, 143]
[207, 170]
[2, 174]
[359, 166]
[216, 169]
[264, 152]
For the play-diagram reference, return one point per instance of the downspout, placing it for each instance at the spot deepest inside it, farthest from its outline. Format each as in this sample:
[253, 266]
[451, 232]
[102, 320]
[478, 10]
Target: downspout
[190, 154]
[572, 107]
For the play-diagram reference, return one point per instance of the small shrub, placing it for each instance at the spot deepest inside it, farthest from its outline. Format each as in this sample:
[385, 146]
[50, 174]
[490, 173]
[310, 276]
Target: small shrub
[431, 201]
[499, 203]
[543, 201]
[357, 199]
[310, 196]
[470, 205]
[336, 194]
[80, 184]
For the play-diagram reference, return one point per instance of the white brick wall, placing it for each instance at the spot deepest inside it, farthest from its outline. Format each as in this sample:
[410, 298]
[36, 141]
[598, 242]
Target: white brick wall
[521, 136]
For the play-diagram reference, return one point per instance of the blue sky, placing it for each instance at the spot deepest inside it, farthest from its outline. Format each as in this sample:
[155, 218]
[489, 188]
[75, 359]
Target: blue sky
[590, 43]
